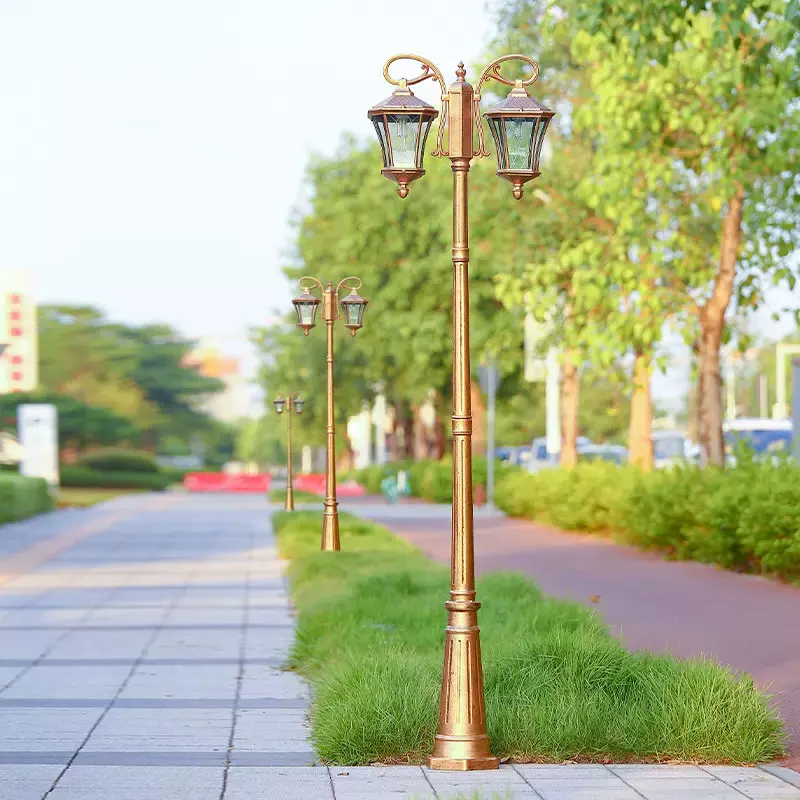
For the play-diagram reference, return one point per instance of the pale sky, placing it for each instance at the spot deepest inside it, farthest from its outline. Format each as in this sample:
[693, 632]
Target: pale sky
[151, 151]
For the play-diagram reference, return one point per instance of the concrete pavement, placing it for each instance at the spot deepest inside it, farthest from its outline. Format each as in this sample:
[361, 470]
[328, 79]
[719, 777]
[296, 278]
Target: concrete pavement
[140, 652]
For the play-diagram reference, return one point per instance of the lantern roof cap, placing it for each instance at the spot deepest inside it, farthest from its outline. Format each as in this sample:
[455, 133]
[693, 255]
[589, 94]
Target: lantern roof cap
[402, 99]
[519, 102]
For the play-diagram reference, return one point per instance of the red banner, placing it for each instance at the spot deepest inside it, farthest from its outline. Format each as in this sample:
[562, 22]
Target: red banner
[223, 482]
[315, 482]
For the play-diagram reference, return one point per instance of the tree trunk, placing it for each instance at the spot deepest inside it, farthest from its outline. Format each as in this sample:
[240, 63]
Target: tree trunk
[570, 396]
[640, 435]
[712, 324]
[478, 420]
[440, 438]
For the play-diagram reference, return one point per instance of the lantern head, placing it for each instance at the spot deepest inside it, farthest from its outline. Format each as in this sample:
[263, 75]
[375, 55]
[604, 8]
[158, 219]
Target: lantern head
[298, 405]
[306, 307]
[353, 306]
[518, 125]
[402, 123]
[280, 404]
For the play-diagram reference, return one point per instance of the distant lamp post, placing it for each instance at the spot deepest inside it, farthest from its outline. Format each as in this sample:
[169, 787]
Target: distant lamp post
[518, 125]
[350, 308]
[281, 404]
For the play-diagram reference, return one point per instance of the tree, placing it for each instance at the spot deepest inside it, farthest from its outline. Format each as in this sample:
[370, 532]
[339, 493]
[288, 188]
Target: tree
[708, 92]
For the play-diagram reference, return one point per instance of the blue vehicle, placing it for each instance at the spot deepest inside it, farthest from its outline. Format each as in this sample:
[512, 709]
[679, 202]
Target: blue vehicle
[767, 438]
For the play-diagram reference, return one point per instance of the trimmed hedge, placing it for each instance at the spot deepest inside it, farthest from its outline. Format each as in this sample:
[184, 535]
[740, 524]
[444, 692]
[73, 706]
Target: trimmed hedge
[430, 480]
[22, 497]
[745, 518]
[119, 460]
[83, 477]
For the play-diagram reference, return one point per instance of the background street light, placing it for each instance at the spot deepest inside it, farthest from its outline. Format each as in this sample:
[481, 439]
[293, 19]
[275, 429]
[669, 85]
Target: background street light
[518, 126]
[280, 404]
[352, 307]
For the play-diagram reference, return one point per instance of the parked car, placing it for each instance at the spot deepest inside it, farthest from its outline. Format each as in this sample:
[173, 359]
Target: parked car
[615, 453]
[671, 448]
[539, 458]
[767, 438]
[515, 456]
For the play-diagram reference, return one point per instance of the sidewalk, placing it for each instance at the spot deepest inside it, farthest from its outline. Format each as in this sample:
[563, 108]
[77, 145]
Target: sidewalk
[140, 655]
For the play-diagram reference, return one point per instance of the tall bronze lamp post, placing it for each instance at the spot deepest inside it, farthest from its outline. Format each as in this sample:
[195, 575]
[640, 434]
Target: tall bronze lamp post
[351, 309]
[518, 125]
[280, 404]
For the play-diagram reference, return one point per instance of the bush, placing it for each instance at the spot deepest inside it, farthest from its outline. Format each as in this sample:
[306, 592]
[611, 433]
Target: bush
[21, 497]
[557, 685]
[745, 518]
[117, 460]
[95, 479]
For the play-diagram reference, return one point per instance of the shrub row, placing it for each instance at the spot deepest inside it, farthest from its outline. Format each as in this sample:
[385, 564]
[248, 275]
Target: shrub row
[83, 477]
[745, 518]
[430, 480]
[21, 497]
[120, 460]
[558, 686]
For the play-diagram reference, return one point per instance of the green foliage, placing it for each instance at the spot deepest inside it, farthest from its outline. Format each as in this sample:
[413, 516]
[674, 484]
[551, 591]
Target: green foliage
[95, 479]
[138, 377]
[79, 423]
[747, 518]
[116, 460]
[22, 497]
[558, 686]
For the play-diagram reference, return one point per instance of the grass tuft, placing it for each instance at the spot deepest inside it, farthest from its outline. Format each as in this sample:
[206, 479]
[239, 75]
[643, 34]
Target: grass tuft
[558, 686]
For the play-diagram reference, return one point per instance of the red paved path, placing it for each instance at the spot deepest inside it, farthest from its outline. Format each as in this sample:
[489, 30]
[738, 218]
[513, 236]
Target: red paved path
[748, 622]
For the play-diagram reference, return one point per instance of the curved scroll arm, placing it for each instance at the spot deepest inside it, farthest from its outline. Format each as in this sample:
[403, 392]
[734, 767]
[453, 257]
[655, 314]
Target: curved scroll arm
[354, 283]
[429, 72]
[307, 282]
[492, 73]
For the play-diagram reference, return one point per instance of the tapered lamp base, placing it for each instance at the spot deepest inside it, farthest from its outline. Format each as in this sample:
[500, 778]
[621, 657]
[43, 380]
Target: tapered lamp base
[462, 764]
[330, 529]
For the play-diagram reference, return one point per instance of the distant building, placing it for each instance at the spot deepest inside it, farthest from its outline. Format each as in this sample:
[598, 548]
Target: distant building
[19, 365]
[235, 402]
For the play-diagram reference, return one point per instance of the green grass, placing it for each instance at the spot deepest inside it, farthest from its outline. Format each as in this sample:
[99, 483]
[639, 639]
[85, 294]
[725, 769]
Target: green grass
[300, 496]
[82, 498]
[558, 686]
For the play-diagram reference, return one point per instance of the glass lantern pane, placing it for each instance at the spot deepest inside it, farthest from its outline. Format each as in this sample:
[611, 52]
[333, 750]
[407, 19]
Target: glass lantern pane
[537, 147]
[519, 131]
[498, 134]
[403, 133]
[305, 313]
[352, 313]
[381, 131]
[298, 405]
[425, 129]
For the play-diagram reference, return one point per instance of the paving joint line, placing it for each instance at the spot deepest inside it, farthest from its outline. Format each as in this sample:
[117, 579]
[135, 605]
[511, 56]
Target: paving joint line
[619, 777]
[723, 781]
[428, 781]
[121, 689]
[330, 780]
[527, 782]
[245, 622]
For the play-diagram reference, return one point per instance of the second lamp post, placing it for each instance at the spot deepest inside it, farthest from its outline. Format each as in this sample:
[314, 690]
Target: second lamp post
[352, 310]
[280, 404]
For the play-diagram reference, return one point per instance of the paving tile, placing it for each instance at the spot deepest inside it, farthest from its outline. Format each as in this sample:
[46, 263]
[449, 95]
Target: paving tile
[42, 729]
[68, 682]
[279, 783]
[162, 680]
[755, 783]
[784, 773]
[139, 783]
[27, 781]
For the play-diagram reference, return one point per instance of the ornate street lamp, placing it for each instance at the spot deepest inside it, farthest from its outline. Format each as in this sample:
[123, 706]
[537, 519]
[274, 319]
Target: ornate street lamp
[351, 309]
[281, 404]
[518, 125]
[3, 348]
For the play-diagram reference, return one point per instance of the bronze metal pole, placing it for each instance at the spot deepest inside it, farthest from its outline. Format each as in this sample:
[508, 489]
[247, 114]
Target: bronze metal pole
[289, 506]
[330, 517]
[462, 742]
